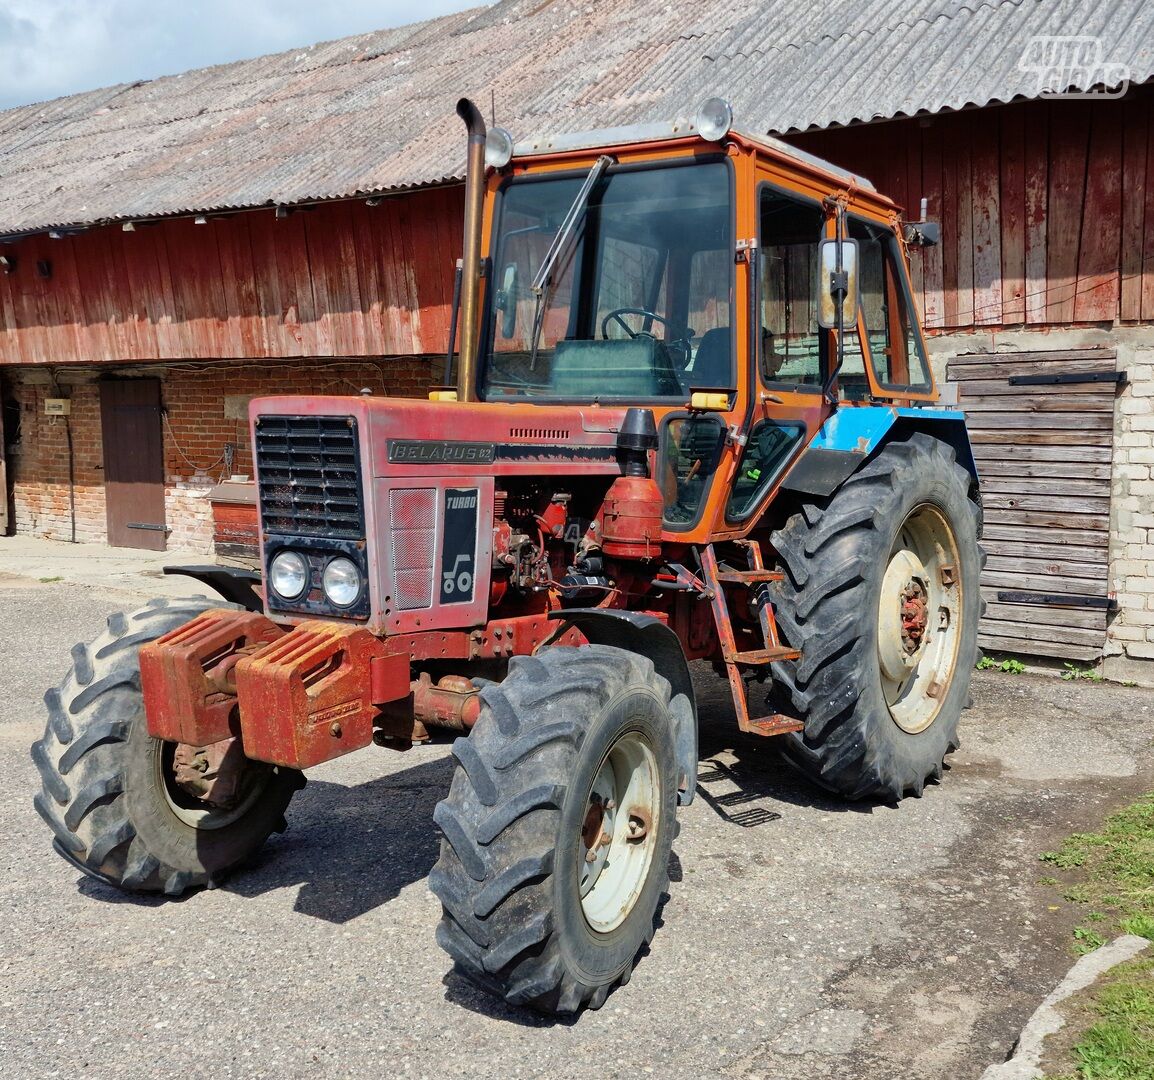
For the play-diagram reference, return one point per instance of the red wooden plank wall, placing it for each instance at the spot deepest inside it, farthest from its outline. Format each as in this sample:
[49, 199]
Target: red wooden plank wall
[340, 279]
[1047, 208]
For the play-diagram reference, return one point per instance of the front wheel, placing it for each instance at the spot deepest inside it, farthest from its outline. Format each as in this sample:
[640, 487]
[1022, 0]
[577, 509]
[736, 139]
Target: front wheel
[134, 811]
[558, 828]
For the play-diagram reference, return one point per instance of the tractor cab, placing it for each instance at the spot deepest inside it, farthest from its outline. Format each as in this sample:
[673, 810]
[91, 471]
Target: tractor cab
[687, 268]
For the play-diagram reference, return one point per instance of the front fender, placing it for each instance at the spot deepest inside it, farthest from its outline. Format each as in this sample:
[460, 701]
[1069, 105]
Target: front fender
[649, 636]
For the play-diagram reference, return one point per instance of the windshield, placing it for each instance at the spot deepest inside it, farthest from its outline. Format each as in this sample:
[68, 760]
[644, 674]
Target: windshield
[638, 305]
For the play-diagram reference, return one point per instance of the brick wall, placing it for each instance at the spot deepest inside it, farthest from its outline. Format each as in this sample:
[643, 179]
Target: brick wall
[1130, 637]
[206, 409]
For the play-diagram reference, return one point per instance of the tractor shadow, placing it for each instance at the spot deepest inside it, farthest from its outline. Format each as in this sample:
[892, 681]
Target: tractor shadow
[349, 850]
[352, 849]
[742, 777]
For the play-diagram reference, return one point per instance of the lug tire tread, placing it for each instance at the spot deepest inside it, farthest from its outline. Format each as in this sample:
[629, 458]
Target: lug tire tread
[829, 553]
[81, 757]
[497, 922]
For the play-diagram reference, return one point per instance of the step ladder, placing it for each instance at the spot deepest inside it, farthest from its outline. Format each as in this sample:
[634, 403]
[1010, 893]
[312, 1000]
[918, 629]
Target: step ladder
[715, 579]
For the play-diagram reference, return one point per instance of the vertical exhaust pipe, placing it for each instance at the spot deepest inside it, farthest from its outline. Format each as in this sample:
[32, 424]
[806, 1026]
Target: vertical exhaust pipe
[471, 273]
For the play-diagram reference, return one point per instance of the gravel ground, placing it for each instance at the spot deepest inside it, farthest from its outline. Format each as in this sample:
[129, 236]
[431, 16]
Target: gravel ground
[803, 937]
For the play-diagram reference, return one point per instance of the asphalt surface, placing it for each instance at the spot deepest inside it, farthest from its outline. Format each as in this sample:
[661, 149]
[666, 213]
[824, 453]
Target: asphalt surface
[803, 938]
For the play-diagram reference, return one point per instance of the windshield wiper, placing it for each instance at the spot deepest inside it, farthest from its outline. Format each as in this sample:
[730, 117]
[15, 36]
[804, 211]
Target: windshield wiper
[560, 241]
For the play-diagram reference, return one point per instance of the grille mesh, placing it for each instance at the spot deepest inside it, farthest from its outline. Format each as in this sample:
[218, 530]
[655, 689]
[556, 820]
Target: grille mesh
[413, 535]
[310, 476]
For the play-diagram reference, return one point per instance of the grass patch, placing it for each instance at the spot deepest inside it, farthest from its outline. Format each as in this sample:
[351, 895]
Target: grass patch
[1118, 1040]
[49, 580]
[1111, 872]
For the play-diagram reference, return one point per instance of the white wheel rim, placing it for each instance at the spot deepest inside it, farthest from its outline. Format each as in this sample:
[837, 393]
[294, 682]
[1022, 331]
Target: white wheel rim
[619, 832]
[919, 618]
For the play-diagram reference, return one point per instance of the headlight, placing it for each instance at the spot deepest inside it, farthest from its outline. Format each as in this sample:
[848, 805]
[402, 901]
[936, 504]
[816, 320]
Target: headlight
[714, 119]
[498, 147]
[342, 582]
[288, 574]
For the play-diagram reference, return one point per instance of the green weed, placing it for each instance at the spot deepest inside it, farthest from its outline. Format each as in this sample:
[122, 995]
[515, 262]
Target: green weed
[1010, 665]
[1074, 672]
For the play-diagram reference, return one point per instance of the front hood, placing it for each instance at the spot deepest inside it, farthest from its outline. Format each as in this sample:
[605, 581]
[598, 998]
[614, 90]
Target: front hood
[401, 436]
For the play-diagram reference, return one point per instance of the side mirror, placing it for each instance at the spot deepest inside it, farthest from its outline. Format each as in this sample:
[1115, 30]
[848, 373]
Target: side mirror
[836, 289]
[507, 301]
[923, 233]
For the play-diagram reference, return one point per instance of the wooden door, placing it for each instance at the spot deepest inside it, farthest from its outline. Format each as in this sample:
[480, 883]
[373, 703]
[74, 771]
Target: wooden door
[1042, 428]
[133, 462]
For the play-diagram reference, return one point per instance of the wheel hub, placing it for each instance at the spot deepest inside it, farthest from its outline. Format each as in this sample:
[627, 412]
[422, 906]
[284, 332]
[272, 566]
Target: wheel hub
[209, 787]
[903, 615]
[213, 774]
[914, 616]
[618, 833]
[919, 618]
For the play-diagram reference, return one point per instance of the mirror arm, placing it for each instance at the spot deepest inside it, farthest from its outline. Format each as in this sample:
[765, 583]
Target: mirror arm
[839, 286]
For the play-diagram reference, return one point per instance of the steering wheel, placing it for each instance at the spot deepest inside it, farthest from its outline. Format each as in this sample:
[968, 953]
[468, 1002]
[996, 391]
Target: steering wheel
[678, 348]
[616, 314]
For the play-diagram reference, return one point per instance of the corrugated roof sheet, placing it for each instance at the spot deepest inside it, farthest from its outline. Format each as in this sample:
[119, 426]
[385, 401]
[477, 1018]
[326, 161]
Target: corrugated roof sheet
[374, 112]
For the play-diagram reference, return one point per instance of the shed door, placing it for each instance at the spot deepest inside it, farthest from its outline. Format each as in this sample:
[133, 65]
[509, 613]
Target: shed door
[1042, 427]
[133, 462]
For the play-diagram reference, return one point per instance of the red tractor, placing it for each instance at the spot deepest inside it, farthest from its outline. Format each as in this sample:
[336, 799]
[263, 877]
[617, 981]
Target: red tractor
[693, 420]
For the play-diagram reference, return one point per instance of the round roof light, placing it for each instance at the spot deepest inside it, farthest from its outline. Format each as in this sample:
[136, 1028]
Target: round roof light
[714, 119]
[498, 147]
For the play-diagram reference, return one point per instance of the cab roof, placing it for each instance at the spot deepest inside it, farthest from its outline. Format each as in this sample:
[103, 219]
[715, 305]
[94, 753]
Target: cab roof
[676, 130]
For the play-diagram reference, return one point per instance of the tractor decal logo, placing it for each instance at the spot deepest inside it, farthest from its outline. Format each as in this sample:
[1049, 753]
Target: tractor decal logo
[421, 452]
[460, 544]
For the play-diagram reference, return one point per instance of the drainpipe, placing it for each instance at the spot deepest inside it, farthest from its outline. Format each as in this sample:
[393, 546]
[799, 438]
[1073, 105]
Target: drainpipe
[471, 273]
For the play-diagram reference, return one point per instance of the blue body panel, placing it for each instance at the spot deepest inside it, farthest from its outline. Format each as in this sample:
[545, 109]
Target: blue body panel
[861, 429]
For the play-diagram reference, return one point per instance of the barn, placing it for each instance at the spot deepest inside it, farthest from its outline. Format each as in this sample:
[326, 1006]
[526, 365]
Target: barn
[168, 249]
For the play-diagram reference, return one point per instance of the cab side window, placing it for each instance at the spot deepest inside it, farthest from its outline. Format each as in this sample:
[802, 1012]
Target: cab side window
[791, 341]
[895, 350]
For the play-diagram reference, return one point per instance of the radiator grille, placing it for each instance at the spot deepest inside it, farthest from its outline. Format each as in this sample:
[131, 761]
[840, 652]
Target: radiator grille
[310, 476]
[413, 537]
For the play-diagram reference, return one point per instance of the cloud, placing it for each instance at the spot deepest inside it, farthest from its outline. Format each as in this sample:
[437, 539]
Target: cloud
[49, 48]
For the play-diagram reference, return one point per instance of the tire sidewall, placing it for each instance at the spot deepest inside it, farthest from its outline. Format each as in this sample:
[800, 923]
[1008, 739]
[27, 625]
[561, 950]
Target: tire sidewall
[947, 491]
[596, 958]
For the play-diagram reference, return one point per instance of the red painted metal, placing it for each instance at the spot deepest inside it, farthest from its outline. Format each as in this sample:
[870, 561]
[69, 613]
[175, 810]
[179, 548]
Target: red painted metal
[309, 697]
[453, 702]
[631, 518]
[187, 675]
[735, 658]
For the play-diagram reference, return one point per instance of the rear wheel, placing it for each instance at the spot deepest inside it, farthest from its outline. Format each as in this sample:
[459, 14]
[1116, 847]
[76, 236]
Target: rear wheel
[558, 828]
[881, 596]
[135, 811]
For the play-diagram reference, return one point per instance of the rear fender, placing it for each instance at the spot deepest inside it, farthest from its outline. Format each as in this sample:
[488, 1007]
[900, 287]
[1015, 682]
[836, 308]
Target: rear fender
[649, 636]
[852, 434]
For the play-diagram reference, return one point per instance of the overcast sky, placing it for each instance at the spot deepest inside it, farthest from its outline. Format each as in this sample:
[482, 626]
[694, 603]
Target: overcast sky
[54, 47]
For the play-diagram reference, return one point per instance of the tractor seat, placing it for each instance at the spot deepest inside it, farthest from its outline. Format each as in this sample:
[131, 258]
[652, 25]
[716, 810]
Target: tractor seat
[713, 364]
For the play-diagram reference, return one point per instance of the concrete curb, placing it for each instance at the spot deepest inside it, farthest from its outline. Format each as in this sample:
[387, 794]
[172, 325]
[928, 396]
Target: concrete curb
[1023, 1063]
